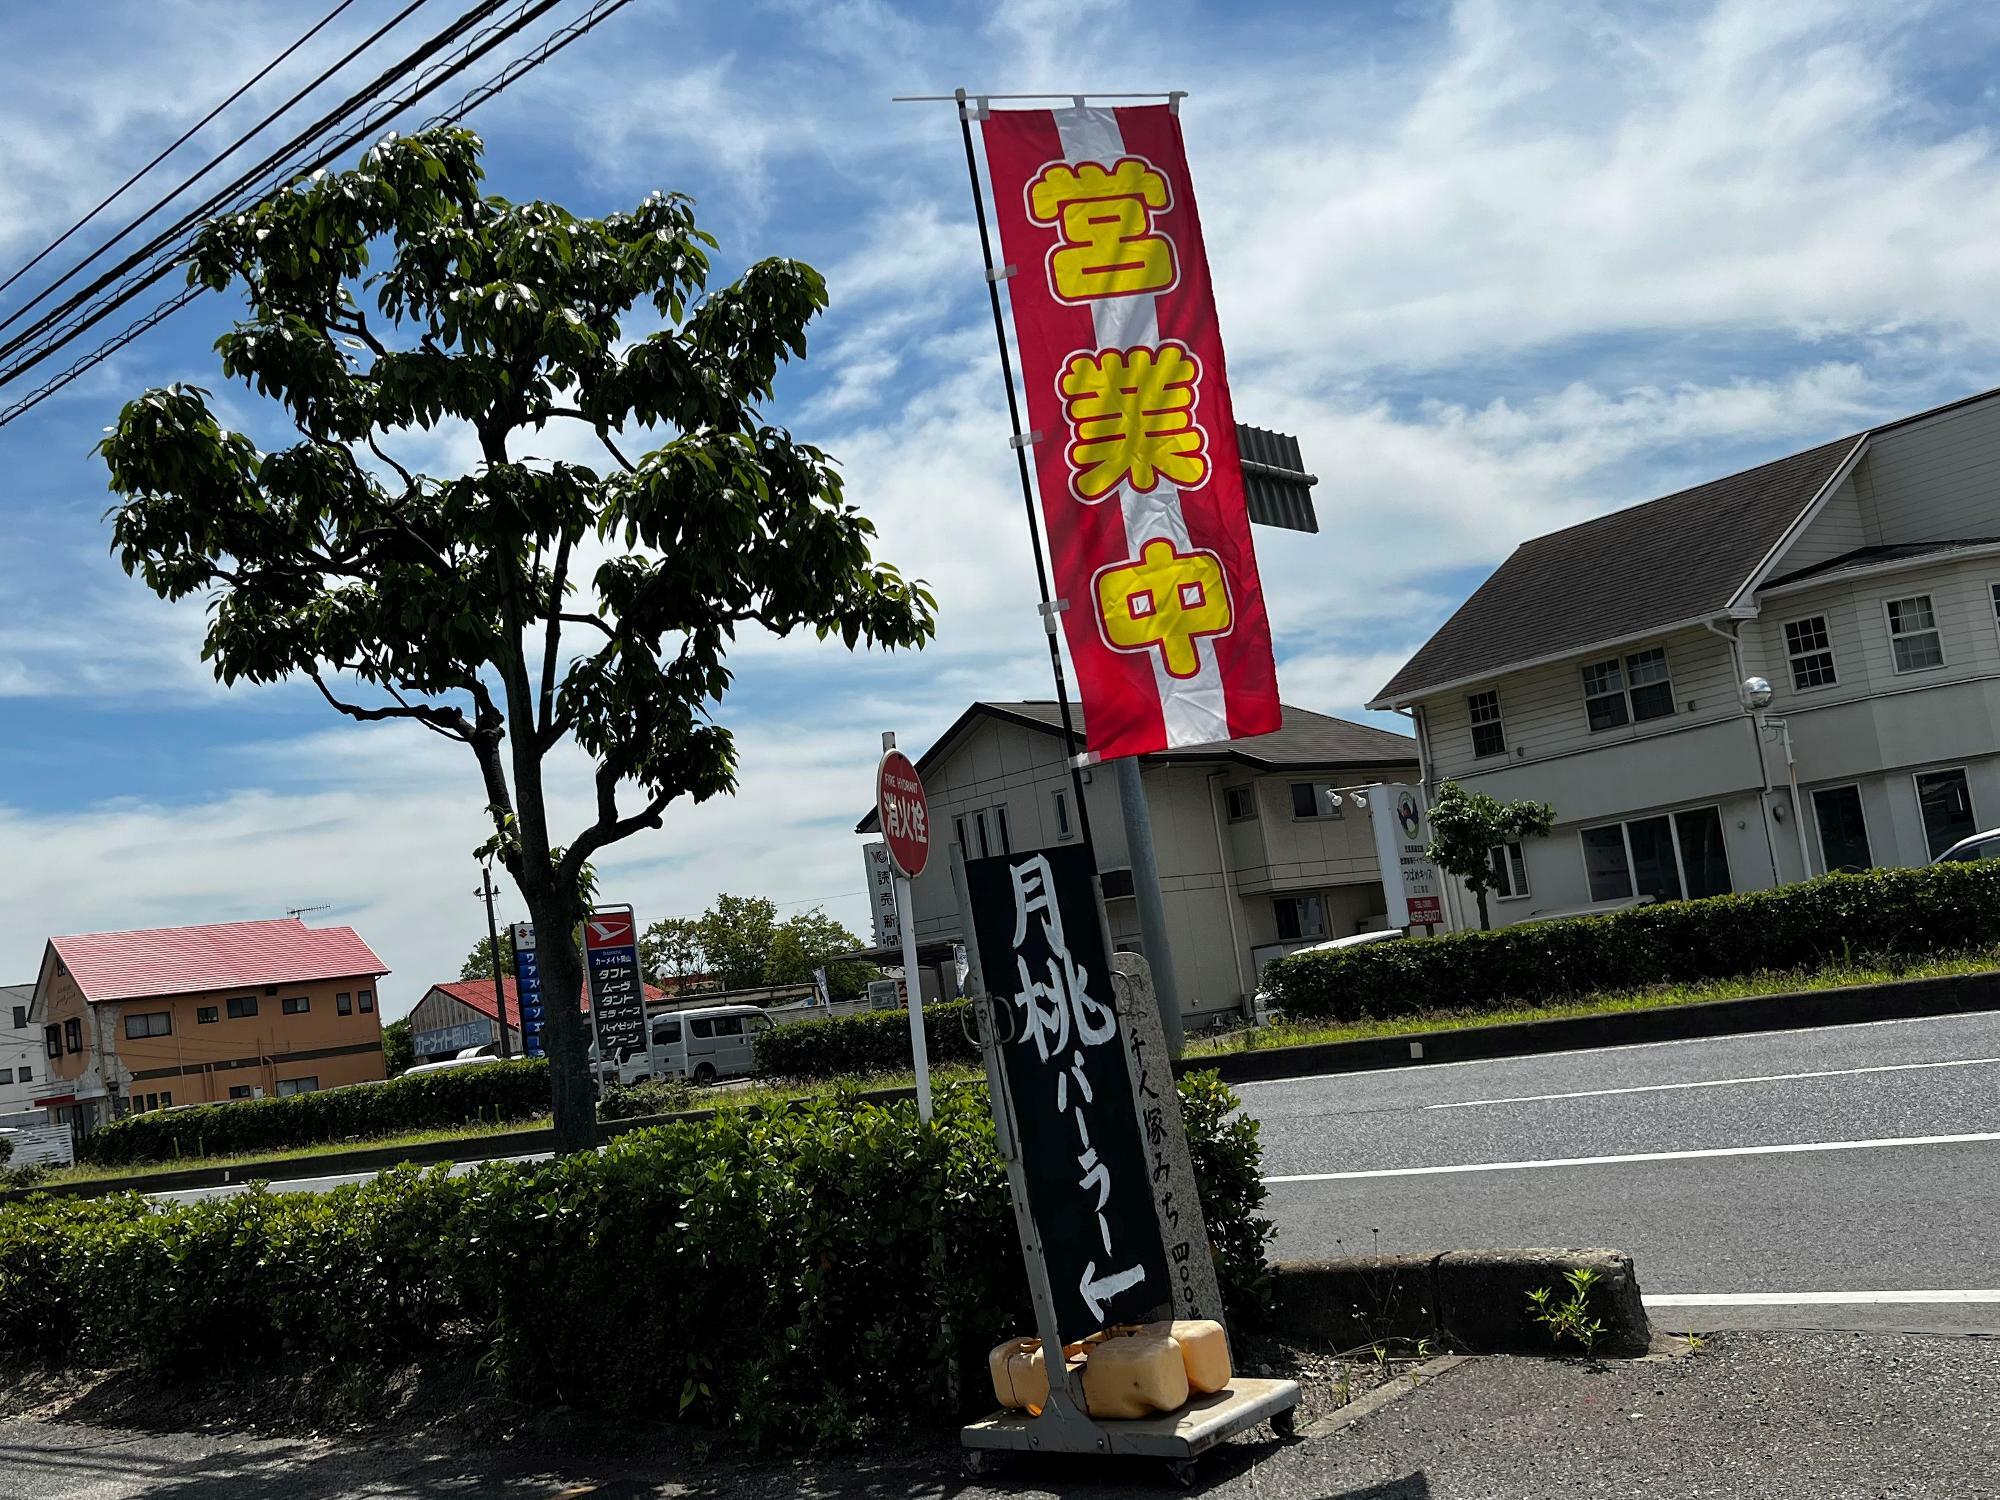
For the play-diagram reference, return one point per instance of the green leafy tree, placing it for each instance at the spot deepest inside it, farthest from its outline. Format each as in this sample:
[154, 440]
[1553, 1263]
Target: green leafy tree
[398, 1051]
[735, 936]
[455, 601]
[1466, 827]
[804, 943]
[479, 962]
[670, 950]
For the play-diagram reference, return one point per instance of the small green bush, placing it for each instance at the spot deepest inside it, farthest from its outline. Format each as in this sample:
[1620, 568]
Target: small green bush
[1883, 914]
[797, 1277]
[873, 1042]
[656, 1096]
[497, 1092]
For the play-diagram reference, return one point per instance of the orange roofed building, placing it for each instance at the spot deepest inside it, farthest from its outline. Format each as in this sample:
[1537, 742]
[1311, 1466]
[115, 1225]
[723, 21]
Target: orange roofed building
[146, 1020]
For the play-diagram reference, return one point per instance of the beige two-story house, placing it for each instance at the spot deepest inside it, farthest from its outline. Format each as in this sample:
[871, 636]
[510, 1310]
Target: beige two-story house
[1254, 858]
[1601, 669]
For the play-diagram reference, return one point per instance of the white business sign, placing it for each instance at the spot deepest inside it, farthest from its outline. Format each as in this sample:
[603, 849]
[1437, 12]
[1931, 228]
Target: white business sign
[882, 894]
[1402, 835]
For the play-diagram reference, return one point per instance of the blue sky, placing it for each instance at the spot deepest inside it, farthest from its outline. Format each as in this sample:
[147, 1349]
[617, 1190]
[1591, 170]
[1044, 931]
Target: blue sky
[1501, 267]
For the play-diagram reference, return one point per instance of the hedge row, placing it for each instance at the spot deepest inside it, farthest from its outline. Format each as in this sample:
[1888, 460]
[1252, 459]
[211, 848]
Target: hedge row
[1878, 915]
[802, 1276]
[497, 1092]
[873, 1042]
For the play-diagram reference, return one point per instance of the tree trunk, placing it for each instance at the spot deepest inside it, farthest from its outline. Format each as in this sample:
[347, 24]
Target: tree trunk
[565, 1034]
[1485, 922]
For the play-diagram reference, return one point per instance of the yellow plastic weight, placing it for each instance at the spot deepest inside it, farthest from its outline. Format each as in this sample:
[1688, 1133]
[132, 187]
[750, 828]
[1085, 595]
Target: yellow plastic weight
[1135, 1375]
[1020, 1374]
[1204, 1350]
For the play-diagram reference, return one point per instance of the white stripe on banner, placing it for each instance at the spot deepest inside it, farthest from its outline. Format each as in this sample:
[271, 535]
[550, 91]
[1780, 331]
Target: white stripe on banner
[1193, 707]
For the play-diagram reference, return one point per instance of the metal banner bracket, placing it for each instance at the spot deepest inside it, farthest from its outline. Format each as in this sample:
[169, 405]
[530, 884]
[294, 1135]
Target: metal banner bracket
[1001, 273]
[1025, 439]
[1049, 609]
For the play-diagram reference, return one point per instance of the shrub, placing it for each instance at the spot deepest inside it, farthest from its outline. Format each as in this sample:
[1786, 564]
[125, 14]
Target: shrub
[498, 1092]
[873, 1042]
[1883, 914]
[797, 1277]
[656, 1096]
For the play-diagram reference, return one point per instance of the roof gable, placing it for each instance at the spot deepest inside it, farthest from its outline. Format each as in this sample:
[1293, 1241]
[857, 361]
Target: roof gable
[477, 995]
[219, 956]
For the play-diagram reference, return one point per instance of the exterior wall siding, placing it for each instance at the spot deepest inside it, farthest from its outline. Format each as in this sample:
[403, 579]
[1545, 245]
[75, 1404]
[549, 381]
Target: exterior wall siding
[1838, 528]
[1934, 480]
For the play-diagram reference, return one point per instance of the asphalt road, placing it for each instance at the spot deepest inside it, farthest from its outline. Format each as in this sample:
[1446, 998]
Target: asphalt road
[1885, 1220]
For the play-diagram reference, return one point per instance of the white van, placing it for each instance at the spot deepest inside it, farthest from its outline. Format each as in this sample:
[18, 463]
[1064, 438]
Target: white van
[708, 1042]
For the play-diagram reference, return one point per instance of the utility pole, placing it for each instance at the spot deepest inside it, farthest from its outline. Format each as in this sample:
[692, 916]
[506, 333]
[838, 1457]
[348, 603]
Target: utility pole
[493, 942]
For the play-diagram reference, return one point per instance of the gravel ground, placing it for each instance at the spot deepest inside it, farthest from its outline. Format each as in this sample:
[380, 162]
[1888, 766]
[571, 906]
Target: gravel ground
[1790, 1416]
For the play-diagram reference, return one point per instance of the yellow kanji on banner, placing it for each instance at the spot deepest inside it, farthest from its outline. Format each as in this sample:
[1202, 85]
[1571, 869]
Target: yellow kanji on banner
[1109, 246]
[1131, 418]
[1166, 599]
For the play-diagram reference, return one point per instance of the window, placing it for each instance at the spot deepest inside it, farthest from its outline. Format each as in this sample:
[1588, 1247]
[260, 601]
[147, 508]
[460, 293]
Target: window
[6, 1075]
[241, 1007]
[701, 1026]
[152, 1023]
[1241, 802]
[958, 826]
[1063, 830]
[296, 1005]
[343, 1004]
[1309, 800]
[73, 1034]
[1006, 838]
[207, 1015]
[52, 1040]
[239, 1091]
[1510, 872]
[1995, 590]
[667, 1034]
[1489, 736]
[166, 1098]
[1299, 917]
[366, 999]
[1810, 650]
[985, 848]
[1667, 857]
[1913, 634]
[27, 1074]
[1628, 692]
[289, 1086]
[1843, 831]
[20, 1017]
[1946, 803]
[729, 1026]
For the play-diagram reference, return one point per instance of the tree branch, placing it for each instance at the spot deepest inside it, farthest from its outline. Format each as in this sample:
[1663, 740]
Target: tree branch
[603, 433]
[448, 722]
[552, 637]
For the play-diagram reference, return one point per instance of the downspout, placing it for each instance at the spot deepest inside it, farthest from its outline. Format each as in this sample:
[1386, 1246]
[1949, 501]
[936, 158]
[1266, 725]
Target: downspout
[1229, 896]
[1756, 744]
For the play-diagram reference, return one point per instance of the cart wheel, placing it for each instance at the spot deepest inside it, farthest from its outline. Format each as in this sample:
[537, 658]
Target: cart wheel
[1285, 1425]
[978, 1463]
[1180, 1473]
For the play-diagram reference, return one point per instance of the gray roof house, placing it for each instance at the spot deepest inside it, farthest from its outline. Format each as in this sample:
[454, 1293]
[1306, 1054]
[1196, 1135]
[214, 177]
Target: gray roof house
[1600, 668]
[1253, 860]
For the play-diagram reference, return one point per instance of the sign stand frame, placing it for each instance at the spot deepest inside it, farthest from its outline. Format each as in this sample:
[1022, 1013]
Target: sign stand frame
[1065, 1424]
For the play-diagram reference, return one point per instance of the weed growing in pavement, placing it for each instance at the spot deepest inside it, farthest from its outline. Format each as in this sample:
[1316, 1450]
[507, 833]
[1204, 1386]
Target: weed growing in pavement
[1695, 1342]
[1569, 1319]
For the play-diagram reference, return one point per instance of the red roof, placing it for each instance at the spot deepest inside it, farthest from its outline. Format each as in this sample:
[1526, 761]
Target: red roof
[220, 956]
[477, 994]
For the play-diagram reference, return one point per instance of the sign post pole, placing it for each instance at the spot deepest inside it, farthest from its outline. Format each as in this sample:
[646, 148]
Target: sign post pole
[905, 815]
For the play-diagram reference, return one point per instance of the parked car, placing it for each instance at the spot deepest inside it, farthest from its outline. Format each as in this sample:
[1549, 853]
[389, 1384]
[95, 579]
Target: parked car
[1260, 1003]
[471, 1058]
[1980, 846]
[703, 1044]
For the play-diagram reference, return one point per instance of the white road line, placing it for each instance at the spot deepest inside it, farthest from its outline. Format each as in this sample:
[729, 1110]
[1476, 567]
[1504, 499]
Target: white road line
[1813, 1299]
[1639, 1156]
[1568, 1052]
[1718, 1083]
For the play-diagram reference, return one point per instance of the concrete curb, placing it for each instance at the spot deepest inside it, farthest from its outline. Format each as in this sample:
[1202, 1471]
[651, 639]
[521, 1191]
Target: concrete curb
[1467, 1301]
[1902, 999]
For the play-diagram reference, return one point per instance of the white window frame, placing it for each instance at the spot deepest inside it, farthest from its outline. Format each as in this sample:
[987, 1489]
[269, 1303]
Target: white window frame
[1302, 898]
[1323, 811]
[1993, 593]
[1513, 857]
[1623, 663]
[1867, 828]
[1792, 658]
[1498, 720]
[1917, 791]
[1672, 815]
[1249, 789]
[1889, 625]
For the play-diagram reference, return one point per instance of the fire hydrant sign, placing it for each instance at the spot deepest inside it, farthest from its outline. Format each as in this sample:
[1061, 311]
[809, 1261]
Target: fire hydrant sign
[1042, 953]
[617, 997]
[1133, 435]
[905, 813]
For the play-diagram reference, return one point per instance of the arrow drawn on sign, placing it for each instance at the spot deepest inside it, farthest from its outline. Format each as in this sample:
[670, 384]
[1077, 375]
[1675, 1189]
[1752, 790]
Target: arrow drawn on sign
[1096, 1293]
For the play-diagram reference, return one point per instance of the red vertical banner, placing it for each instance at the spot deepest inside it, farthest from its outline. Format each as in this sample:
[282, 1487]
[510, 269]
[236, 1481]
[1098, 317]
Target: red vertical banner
[1134, 438]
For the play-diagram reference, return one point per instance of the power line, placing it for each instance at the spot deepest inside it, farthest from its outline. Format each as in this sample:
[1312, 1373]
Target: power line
[600, 11]
[207, 167]
[245, 185]
[185, 136]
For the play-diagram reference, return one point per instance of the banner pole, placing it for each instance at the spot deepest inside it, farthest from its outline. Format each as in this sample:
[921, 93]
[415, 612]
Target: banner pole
[1049, 608]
